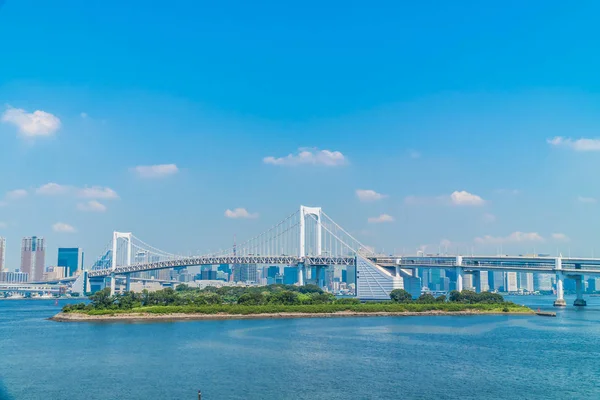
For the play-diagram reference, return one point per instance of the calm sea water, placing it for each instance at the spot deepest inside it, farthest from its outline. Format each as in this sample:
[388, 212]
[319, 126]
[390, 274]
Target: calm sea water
[491, 357]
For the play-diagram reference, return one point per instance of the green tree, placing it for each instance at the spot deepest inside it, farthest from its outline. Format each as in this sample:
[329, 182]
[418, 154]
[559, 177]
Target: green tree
[400, 296]
[426, 298]
[440, 299]
[310, 288]
[454, 296]
[252, 299]
[102, 299]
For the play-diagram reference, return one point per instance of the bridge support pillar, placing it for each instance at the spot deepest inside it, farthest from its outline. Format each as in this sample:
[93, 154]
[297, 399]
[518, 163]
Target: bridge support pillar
[128, 283]
[459, 274]
[301, 273]
[113, 283]
[560, 292]
[579, 301]
[560, 279]
[477, 281]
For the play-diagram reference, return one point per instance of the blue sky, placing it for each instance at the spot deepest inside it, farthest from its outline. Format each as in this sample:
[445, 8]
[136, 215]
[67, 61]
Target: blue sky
[445, 115]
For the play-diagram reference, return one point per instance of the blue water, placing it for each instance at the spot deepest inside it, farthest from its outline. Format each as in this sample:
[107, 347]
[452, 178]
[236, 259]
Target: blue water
[472, 357]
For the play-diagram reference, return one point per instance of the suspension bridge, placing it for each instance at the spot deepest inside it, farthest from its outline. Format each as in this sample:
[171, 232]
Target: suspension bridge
[310, 238]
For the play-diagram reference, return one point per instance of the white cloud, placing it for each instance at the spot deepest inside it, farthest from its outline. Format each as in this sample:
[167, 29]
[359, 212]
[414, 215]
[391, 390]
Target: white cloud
[325, 158]
[91, 206]
[97, 192]
[240, 213]
[560, 237]
[3, 225]
[515, 237]
[63, 228]
[38, 123]
[369, 195]
[52, 189]
[83, 115]
[457, 198]
[488, 218]
[380, 219]
[582, 144]
[414, 154]
[155, 171]
[588, 200]
[464, 198]
[16, 194]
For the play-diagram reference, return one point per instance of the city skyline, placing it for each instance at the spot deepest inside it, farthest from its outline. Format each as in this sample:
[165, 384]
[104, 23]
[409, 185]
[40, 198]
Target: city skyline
[486, 155]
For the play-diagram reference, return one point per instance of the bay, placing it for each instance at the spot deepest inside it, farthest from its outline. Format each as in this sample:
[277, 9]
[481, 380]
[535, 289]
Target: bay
[424, 357]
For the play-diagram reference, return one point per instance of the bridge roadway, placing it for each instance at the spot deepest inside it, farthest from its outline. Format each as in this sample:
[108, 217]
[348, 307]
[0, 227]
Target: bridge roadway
[578, 266]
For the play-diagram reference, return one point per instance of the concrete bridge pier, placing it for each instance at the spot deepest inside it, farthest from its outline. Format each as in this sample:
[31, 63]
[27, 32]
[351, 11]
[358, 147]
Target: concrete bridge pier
[459, 273]
[301, 274]
[579, 301]
[113, 283]
[560, 292]
[128, 283]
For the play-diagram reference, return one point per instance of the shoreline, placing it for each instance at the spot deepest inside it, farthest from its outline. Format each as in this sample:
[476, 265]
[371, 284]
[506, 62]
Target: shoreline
[125, 317]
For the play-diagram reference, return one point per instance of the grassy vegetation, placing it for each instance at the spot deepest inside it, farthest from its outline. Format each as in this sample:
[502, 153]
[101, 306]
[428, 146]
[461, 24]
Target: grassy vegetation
[313, 309]
[280, 299]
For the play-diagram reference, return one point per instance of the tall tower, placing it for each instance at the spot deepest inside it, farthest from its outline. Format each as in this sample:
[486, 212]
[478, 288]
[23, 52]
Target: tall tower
[33, 256]
[2, 253]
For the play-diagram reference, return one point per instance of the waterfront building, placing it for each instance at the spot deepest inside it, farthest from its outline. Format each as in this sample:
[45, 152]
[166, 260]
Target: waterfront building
[510, 284]
[526, 281]
[56, 273]
[224, 268]
[69, 257]
[542, 282]
[208, 273]
[245, 273]
[351, 274]
[2, 253]
[468, 282]
[222, 276]
[272, 271]
[290, 275]
[33, 256]
[14, 277]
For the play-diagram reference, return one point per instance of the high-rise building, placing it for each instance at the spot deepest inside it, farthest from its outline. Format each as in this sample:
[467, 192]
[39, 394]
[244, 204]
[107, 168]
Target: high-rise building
[272, 271]
[526, 281]
[542, 282]
[511, 282]
[290, 275]
[33, 256]
[496, 280]
[468, 282]
[69, 257]
[245, 273]
[2, 254]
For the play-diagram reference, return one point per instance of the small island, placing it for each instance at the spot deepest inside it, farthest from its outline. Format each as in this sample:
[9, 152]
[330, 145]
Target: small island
[274, 301]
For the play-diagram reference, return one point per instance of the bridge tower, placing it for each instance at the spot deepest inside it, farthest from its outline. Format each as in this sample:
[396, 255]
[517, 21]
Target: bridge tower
[560, 278]
[304, 212]
[116, 237]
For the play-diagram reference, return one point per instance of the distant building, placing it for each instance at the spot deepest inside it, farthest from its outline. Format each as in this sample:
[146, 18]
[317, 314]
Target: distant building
[593, 285]
[290, 275]
[245, 273]
[69, 257]
[526, 281]
[33, 256]
[351, 274]
[56, 273]
[14, 277]
[468, 282]
[224, 268]
[496, 280]
[511, 284]
[542, 282]
[208, 274]
[2, 254]
[272, 271]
